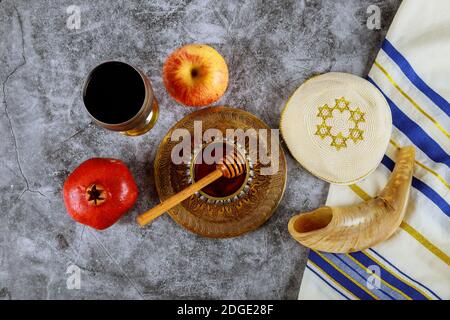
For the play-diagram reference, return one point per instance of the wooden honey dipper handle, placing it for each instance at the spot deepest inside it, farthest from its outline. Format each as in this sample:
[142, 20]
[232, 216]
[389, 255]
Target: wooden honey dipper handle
[171, 202]
[231, 166]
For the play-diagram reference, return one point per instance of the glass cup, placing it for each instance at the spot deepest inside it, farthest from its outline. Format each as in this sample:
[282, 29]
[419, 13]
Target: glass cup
[119, 97]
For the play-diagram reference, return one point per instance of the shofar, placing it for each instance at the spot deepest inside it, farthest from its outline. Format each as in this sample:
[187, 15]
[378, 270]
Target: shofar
[357, 227]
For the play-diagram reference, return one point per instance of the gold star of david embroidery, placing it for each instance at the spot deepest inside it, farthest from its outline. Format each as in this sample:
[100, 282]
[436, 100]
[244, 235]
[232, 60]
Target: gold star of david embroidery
[356, 134]
[323, 130]
[325, 112]
[357, 116]
[339, 141]
[342, 104]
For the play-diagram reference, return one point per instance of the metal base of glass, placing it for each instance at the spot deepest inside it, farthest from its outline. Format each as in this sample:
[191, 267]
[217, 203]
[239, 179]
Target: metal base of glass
[147, 125]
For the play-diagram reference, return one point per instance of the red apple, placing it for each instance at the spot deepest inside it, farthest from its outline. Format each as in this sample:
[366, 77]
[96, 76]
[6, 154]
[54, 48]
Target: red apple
[195, 75]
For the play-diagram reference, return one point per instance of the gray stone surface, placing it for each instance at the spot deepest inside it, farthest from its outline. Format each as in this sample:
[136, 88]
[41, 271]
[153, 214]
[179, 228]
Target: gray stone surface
[271, 48]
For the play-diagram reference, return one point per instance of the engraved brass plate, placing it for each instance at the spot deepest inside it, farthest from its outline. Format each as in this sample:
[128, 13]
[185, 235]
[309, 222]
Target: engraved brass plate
[220, 219]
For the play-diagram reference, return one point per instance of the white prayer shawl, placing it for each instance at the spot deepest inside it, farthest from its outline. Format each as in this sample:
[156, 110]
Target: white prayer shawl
[412, 70]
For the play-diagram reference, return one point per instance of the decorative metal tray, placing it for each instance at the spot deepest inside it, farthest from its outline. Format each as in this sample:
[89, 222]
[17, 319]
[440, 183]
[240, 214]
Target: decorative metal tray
[250, 201]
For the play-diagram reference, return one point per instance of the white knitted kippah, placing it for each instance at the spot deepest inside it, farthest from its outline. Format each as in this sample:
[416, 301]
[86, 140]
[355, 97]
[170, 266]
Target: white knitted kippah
[337, 126]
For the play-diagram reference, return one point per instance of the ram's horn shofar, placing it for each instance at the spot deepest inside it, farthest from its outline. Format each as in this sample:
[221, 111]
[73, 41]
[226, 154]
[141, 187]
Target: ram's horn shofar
[357, 227]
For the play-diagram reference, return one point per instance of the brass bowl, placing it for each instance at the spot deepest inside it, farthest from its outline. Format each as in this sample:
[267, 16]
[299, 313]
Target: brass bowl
[224, 217]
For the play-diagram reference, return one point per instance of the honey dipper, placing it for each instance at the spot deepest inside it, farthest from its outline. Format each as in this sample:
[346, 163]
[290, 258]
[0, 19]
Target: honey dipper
[231, 166]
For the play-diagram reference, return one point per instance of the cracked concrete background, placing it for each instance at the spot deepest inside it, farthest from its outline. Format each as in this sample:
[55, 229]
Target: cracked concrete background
[271, 48]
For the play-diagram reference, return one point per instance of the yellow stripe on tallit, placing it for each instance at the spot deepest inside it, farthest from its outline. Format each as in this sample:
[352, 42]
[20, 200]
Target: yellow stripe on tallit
[411, 100]
[409, 229]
